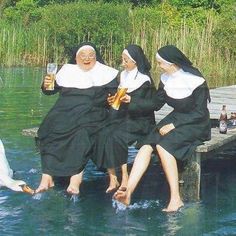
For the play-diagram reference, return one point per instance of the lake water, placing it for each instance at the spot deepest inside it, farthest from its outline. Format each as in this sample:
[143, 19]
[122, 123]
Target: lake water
[22, 105]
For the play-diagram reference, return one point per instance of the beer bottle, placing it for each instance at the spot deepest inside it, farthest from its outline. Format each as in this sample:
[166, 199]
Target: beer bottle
[223, 120]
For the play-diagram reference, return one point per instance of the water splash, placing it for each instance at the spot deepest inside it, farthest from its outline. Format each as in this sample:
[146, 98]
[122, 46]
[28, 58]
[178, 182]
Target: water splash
[74, 198]
[37, 196]
[33, 171]
[118, 205]
[138, 205]
[145, 204]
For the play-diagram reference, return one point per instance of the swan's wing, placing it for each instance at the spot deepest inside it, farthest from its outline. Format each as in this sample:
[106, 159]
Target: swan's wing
[4, 165]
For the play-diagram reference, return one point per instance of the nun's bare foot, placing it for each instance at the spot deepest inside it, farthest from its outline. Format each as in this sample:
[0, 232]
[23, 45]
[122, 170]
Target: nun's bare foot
[124, 183]
[123, 196]
[114, 184]
[75, 181]
[46, 183]
[174, 206]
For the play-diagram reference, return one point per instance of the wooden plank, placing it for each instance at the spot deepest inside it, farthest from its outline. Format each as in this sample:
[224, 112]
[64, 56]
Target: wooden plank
[32, 132]
[219, 97]
[222, 96]
[217, 140]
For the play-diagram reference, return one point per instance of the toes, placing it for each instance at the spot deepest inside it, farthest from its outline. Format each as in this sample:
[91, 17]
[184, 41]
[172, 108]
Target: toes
[123, 189]
[173, 209]
[41, 189]
[119, 194]
[72, 190]
[111, 189]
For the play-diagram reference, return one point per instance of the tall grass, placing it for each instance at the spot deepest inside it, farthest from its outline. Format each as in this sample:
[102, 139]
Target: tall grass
[20, 46]
[217, 66]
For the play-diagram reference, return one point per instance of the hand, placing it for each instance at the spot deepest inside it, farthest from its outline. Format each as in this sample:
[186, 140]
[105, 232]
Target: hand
[111, 99]
[47, 81]
[126, 98]
[166, 129]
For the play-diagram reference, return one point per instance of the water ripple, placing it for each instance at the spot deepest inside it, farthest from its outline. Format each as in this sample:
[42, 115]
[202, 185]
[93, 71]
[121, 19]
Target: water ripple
[227, 230]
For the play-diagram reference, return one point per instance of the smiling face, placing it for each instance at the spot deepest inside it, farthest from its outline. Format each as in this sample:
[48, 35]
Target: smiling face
[127, 63]
[167, 68]
[163, 65]
[86, 59]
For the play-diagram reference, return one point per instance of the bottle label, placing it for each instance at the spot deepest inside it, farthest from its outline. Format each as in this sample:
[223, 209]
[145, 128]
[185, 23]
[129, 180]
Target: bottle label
[223, 127]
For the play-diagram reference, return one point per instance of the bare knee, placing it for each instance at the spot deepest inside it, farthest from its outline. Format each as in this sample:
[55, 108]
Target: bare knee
[146, 148]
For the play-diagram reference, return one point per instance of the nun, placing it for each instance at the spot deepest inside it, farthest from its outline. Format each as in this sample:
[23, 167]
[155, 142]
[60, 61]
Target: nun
[130, 124]
[176, 136]
[67, 133]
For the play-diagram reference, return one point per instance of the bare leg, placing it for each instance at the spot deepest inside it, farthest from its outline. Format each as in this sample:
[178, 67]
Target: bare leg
[140, 165]
[171, 171]
[113, 180]
[75, 181]
[45, 184]
[125, 177]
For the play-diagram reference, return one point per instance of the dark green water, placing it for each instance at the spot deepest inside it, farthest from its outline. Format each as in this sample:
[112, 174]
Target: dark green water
[54, 213]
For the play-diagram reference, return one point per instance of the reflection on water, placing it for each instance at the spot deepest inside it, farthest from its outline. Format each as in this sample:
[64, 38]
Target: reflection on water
[93, 213]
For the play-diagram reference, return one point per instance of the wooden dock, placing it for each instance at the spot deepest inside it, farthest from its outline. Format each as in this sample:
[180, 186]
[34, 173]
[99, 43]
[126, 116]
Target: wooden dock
[219, 97]
[190, 175]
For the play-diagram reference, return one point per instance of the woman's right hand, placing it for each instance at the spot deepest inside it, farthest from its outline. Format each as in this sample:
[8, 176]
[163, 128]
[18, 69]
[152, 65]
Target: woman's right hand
[47, 81]
[166, 129]
[111, 99]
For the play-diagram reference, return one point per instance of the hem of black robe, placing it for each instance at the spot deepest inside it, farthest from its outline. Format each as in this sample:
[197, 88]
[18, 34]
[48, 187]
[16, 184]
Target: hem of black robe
[62, 173]
[116, 165]
[186, 156]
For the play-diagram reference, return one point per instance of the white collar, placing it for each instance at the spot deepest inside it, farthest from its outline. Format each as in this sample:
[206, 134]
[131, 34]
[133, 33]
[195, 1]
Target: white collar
[132, 79]
[71, 76]
[180, 84]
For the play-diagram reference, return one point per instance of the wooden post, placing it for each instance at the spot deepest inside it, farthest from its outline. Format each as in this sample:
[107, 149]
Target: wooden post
[190, 177]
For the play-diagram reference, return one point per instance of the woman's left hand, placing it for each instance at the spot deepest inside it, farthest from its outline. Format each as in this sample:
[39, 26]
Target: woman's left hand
[126, 98]
[166, 129]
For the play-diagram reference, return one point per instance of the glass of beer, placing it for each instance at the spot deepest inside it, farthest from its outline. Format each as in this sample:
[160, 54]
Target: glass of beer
[120, 93]
[51, 72]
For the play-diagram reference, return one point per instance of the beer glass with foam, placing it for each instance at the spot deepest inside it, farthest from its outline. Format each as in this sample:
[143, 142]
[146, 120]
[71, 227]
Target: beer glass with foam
[51, 72]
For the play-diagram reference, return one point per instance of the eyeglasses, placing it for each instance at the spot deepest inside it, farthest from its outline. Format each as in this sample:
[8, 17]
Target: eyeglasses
[83, 57]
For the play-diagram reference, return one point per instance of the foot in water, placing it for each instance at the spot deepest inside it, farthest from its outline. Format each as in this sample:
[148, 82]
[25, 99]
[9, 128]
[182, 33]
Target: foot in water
[123, 185]
[74, 185]
[174, 206]
[45, 184]
[122, 195]
[114, 184]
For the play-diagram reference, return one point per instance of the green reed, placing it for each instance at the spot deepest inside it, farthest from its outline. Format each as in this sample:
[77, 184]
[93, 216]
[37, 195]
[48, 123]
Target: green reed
[21, 47]
[197, 43]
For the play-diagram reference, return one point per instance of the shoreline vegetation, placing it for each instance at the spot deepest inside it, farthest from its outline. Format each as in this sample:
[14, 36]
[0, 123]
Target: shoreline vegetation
[32, 35]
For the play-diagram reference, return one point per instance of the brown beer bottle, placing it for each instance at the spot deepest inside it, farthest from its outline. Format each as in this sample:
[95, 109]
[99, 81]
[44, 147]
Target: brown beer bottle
[223, 120]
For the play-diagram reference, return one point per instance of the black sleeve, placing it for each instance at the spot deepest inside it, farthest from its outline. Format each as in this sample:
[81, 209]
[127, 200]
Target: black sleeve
[155, 103]
[200, 111]
[111, 87]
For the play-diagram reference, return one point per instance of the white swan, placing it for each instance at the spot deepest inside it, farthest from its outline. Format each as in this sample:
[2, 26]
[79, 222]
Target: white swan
[6, 175]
